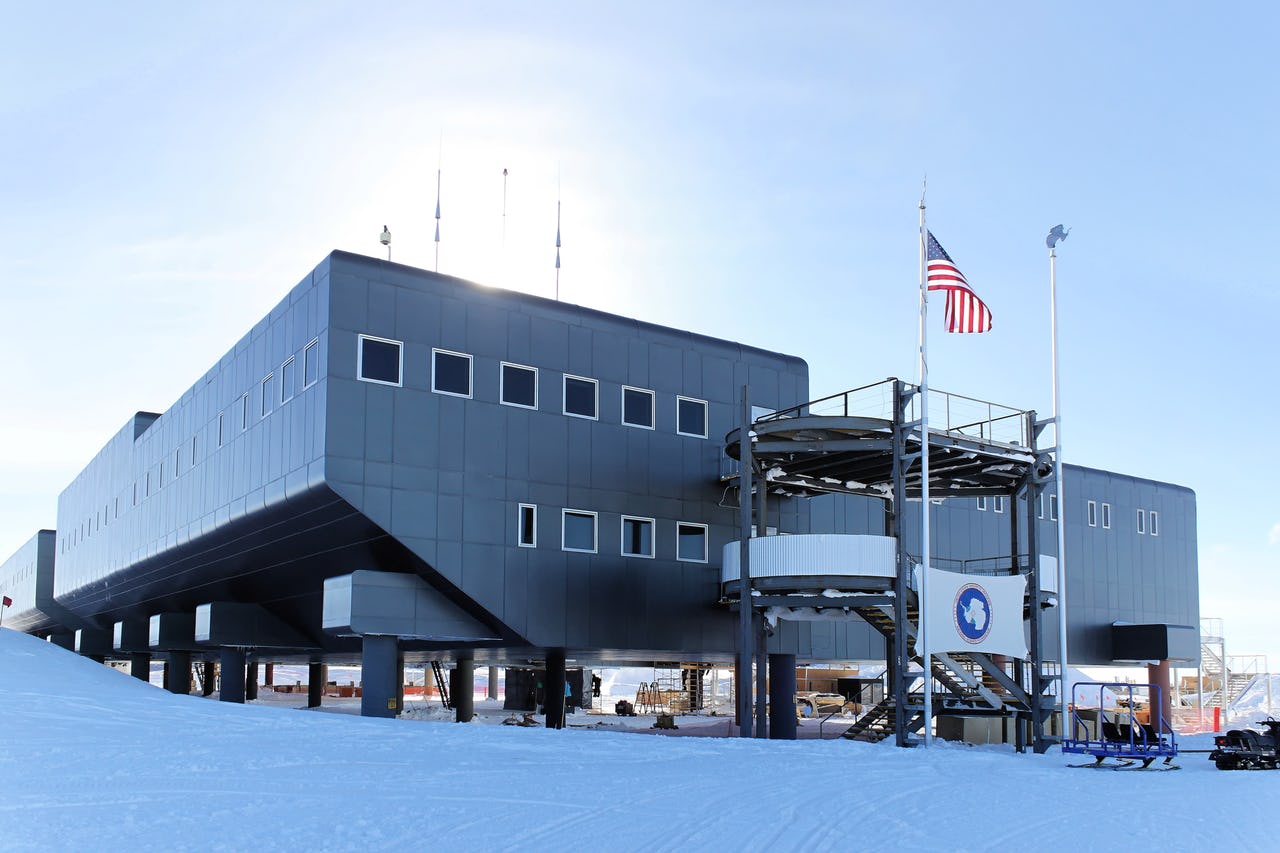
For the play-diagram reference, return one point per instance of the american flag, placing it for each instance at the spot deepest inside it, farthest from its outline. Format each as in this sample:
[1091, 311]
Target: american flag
[965, 312]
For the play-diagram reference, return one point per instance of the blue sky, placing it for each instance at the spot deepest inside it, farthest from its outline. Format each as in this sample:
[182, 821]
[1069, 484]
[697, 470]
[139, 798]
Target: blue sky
[170, 172]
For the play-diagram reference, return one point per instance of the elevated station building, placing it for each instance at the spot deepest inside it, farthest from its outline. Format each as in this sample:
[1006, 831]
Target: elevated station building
[395, 465]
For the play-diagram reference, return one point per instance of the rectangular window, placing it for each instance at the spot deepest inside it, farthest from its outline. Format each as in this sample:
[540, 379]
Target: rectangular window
[1155, 522]
[266, 394]
[580, 396]
[450, 373]
[578, 531]
[637, 537]
[160, 479]
[1093, 513]
[998, 501]
[220, 420]
[311, 364]
[177, 462]
[287, 371]
[519, 386]
[691, 542]
[691, 417]
[147, 493]
[637, 407]
[135, 492]
[982, 502]
[379, 360]
[528, 520]
[1106, 516]
[1142, 521]
[1053, 507]
[1040, 506]
[244, 412]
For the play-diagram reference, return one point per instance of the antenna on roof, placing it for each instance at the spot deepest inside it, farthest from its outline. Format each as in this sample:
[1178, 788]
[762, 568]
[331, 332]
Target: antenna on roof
[557, 234]
[385, 239]
[504, 208]
[439, 164]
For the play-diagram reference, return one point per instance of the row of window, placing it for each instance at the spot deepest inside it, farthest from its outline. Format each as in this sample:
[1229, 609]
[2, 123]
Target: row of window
[277, 388]
[1148, 521]
[579, 531]
[381, 360]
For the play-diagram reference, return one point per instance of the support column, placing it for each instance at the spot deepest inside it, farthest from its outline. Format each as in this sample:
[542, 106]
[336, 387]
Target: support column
[1158, 674]
[493, 683]
[554, 683]
[380, 667]
[251, 681]
[177, 677]
[232, 666]
[462, 689]
[210, 676]
[762, 678]
[315, 684]
[140, 665]
[782, 697]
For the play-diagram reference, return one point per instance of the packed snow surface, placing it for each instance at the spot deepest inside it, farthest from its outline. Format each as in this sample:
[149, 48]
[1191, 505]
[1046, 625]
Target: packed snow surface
[95, 760]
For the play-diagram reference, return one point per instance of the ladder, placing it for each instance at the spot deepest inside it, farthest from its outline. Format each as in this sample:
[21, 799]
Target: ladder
[442, 684]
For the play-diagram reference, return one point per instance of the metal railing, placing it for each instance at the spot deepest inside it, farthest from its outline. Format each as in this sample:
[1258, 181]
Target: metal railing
[953, 413]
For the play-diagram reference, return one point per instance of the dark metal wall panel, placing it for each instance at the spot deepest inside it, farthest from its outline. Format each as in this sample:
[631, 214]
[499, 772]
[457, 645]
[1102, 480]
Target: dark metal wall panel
[186, 483]
[473, 461]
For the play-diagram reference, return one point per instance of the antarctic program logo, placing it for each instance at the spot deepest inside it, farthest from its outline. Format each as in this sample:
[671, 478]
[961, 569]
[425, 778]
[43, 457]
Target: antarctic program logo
[973, 613]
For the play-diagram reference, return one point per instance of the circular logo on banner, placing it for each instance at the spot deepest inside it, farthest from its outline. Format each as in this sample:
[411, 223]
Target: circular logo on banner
[972, 613]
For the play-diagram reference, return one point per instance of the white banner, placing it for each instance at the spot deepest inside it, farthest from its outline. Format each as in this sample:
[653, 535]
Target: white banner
[976, 613]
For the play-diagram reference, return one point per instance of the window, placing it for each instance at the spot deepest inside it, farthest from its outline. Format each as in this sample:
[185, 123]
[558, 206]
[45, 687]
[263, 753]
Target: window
[1142, 521]
[691, 542]
[220, 420]
[135, 492]
[287, 371]
[450, 373]
[1106, 516]
[691, 417]
[1155, 522]
[311, 364]
[519, 386]
[982, 502]
[637, 407]
[579, 531]
[1053, 507]
[1093, 513]
[244, 412]
[580, 396]
[177, 462]
[266, 394]
[379, 360]
[527, 519]
[637, 537]
[1040, 506]
[998, 502]
[147, 494]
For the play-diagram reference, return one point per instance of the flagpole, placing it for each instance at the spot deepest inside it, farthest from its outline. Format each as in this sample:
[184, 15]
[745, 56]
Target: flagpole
[1057, 476]
[922, 632]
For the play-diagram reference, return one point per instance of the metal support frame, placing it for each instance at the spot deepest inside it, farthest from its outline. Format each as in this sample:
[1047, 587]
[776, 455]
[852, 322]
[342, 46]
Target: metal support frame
[743, 682]
[899, 663]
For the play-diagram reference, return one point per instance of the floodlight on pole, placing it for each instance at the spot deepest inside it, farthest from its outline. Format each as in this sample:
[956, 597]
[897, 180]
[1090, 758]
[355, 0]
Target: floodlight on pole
[1056, 235]
[385, 239]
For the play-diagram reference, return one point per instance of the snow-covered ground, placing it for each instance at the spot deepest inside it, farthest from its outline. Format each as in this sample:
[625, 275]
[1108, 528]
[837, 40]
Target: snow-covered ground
[94, 760]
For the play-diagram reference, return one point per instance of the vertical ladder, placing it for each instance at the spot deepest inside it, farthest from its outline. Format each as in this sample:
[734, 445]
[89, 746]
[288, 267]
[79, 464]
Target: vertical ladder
[442, 684]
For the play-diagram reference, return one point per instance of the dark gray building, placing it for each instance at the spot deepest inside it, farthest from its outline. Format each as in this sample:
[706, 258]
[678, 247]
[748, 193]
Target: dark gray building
[397, 464]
